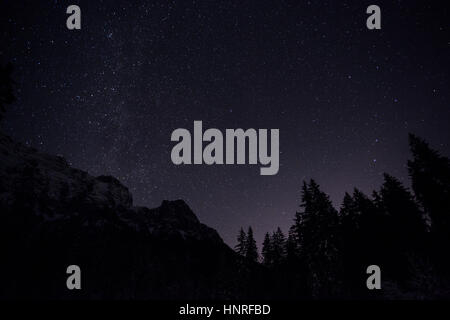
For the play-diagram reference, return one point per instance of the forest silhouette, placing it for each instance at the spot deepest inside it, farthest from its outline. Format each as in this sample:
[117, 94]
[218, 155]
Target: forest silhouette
[406, 234]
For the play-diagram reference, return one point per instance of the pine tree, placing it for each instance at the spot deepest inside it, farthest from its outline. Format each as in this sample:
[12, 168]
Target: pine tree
[301, 217]
[278, 247]
[347, 206]
[316, 228]
[241, 242]
[360, 239]
[251, 250]
[402, 210]
[267, 250]
[403, 228]
[291, 245]
[369, 223]
[430, 174]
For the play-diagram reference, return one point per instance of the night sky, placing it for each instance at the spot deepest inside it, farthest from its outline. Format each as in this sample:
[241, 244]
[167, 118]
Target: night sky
[107, 97]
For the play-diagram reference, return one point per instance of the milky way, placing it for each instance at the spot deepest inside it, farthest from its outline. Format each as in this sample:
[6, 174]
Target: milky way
[107, 97]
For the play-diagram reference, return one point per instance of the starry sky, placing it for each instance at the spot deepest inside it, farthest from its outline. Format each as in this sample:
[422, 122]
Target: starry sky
[107, 97]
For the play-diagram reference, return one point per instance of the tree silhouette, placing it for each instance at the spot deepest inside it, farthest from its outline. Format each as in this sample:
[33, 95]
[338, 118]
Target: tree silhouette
[430, 174]
[404, 227]
[267, 250]
[278, 247]
[274, 248]
[6, 88]
[241, 242]
[251, 250]
[350, 218]
[291, 246]
[316, 228]
[399, 204]
[362, 243]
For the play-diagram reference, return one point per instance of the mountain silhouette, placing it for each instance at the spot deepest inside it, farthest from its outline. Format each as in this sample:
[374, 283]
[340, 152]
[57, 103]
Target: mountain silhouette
[53, 216]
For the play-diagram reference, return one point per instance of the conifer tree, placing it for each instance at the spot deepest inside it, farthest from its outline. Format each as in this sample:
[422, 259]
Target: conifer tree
[241, 242]
[316, 228]
[402, 211]
[278, 247]
[291, 245]
[267, 250]
[403, 229]
[430, 174]
[360, 236]
[251, 250]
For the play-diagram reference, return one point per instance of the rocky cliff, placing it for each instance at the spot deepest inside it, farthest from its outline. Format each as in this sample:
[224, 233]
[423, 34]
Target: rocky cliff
[53, 216]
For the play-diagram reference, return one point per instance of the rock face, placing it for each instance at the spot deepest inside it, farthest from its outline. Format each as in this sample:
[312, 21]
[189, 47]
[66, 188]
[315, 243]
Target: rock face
[53, 216]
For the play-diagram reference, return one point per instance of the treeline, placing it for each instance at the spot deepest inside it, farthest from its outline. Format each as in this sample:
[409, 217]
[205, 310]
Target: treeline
[327, 252]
